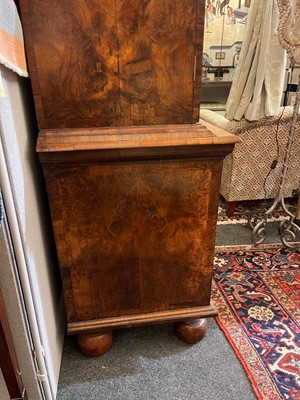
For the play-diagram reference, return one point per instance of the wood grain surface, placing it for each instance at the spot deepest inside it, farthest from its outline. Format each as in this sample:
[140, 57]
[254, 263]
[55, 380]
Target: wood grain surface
[134, 238]
[187, 135]
[134, 220]
[128, 321]
[114, 62]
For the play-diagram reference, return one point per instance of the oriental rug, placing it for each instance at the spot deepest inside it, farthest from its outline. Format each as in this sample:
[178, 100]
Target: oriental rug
[257, 294]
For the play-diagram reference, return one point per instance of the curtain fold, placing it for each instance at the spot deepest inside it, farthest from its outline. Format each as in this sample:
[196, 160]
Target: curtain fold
[257, 86]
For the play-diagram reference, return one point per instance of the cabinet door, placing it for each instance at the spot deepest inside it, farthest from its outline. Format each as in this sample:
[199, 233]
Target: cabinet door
[114, 62]
[72, 55]
[156, 61]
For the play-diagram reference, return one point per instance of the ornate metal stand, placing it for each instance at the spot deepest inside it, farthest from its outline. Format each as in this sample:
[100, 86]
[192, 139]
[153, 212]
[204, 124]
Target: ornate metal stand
[289, 229]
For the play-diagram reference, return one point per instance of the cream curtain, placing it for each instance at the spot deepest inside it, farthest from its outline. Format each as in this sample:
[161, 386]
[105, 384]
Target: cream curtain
[257, 85]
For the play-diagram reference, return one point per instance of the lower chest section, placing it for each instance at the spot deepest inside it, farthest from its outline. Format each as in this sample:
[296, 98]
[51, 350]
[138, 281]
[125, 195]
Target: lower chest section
[134, 238]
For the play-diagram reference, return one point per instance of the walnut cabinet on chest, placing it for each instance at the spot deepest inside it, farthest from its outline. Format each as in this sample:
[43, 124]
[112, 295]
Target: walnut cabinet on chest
[132, 177]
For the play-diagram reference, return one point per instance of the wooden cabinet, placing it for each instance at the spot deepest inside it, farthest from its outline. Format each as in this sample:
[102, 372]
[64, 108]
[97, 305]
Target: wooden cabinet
[132, 180]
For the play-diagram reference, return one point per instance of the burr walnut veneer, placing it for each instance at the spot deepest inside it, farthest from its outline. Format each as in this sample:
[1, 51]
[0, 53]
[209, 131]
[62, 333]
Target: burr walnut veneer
[133, 182]
[114, 62]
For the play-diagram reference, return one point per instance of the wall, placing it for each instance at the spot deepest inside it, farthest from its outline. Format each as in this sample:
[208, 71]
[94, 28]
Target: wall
[18, 136]
[3, 390]
[9, 291]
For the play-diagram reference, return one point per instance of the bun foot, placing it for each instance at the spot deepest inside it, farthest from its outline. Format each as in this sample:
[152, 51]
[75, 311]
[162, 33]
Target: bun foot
[191, 331]
[95, 344]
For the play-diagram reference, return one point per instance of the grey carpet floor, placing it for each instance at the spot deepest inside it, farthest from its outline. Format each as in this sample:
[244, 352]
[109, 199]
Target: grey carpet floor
[150, 363]
[240, 234]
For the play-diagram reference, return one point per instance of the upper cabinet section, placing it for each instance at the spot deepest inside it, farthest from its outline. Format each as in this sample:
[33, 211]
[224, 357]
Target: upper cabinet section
[114, 62]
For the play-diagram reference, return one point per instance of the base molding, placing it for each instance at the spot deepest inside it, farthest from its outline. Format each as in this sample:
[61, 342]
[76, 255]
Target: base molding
[128, 321]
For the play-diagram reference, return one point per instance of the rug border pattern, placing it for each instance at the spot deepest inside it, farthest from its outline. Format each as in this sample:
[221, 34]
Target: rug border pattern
[256, 372]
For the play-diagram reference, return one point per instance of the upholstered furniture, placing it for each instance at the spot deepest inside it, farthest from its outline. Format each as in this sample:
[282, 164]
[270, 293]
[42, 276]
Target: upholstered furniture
[245, 170]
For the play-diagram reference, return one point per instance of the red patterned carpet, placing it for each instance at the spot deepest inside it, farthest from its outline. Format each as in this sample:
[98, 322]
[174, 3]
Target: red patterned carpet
[257, 294]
